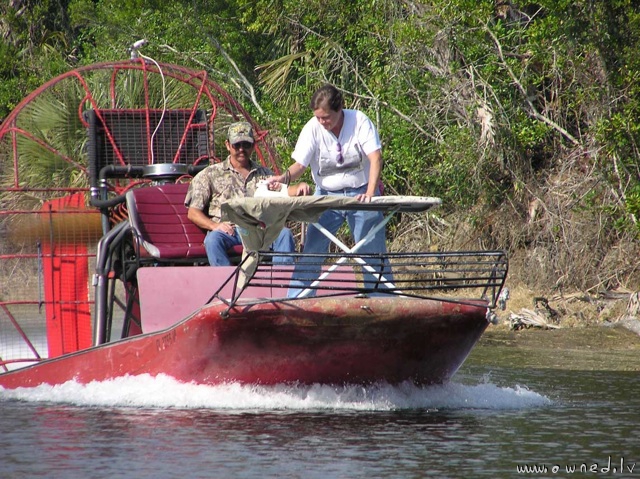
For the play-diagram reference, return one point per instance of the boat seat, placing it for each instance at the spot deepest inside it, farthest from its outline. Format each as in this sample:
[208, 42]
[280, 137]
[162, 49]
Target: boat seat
[158, 216]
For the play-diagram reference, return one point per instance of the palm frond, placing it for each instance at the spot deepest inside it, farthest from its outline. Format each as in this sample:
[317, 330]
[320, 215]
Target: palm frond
[274, 75]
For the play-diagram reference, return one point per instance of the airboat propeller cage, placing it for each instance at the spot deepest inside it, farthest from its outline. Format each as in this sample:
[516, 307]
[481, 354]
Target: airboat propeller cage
[141, 143]
[115, 125]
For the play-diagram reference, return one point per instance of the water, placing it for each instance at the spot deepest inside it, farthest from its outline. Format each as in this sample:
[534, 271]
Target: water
[494, 420]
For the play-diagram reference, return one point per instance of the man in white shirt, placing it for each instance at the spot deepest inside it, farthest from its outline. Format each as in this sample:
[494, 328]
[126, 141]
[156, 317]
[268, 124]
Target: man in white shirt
[343, 150]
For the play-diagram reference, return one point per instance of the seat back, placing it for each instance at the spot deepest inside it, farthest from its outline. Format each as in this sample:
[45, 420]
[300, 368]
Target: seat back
[159, 217]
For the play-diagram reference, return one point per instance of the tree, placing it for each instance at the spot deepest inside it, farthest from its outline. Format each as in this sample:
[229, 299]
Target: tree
[35, 38]
[513, 113]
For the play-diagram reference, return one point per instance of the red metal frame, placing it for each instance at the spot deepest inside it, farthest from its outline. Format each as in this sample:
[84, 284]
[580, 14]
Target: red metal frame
[217, 97]
[14, 130]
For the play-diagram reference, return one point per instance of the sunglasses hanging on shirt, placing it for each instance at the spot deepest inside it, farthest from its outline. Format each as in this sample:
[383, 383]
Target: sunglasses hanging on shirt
[340, 158]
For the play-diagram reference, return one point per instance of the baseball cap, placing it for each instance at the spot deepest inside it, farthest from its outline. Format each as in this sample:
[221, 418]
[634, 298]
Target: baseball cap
[240, 131]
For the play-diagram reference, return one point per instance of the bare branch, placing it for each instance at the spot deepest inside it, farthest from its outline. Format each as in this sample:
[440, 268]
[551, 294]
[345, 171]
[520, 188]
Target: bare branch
[240, 83]
[533, 111]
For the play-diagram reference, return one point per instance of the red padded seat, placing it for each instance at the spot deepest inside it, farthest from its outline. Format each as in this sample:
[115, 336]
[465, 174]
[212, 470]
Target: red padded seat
[159, 218]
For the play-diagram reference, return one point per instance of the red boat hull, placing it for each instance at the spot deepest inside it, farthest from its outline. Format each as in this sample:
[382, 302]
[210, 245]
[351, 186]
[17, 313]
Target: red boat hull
[324, 340]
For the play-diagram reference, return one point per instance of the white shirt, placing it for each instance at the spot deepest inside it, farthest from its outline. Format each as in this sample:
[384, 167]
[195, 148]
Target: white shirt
[338, 162]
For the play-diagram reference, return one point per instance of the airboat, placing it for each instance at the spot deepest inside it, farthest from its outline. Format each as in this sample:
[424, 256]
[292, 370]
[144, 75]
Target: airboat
[103, 275]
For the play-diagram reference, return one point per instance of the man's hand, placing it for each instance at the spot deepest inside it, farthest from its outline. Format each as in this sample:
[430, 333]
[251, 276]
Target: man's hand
[299, 189]
[273, 180]
[228, 228]
[275, 185]
[364, 198]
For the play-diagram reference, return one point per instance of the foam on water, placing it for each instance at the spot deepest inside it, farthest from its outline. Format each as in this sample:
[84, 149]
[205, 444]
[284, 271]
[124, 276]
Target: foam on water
[164, 392]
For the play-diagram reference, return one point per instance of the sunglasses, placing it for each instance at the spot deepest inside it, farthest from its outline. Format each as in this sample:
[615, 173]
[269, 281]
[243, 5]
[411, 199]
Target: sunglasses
[340, 158]
[245, 145]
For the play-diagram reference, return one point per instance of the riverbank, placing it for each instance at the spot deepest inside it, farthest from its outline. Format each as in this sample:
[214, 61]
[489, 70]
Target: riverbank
[587, 348]
[569, 331]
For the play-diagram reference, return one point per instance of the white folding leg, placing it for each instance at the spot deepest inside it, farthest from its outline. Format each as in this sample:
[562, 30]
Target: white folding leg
[346, 249]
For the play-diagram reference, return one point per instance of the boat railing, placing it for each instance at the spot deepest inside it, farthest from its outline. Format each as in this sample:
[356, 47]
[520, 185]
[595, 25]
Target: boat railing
[462, 276]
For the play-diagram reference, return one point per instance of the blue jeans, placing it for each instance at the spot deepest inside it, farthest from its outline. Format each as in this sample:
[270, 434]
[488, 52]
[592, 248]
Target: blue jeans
[360, 223]
[218, 243]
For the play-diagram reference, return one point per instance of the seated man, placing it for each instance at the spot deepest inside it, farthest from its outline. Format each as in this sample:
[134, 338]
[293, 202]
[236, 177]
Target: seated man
[237, 176]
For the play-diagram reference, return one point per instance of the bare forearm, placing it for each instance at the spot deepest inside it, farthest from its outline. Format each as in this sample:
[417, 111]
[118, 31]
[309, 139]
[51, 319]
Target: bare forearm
[203, 221]
[200, 219]
[292, 173]
[375, 170]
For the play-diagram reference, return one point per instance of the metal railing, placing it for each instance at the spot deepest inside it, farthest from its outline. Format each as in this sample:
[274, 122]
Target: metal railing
[449, 276]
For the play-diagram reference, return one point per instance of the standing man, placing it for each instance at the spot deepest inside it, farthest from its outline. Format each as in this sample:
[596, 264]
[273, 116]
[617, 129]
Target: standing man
[343, 150]
[237, 176]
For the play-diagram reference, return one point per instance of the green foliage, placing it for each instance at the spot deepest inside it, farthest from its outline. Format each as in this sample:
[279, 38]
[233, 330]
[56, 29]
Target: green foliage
[478, 102]
[29, 55]
[632, 202]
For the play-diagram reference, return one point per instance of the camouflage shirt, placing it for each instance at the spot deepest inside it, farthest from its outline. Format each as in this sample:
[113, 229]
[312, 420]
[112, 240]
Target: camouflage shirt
[220, 182]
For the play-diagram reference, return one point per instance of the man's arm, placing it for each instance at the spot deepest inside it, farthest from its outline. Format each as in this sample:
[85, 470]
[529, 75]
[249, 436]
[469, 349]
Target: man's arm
[375, 169]
[203, 221]
[291, 174]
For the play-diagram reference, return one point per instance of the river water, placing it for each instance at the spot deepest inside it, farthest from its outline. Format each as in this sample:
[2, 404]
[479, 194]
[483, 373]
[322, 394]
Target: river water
[522, 406]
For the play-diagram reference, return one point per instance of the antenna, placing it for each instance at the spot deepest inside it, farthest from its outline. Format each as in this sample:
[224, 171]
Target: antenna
[133, 49]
